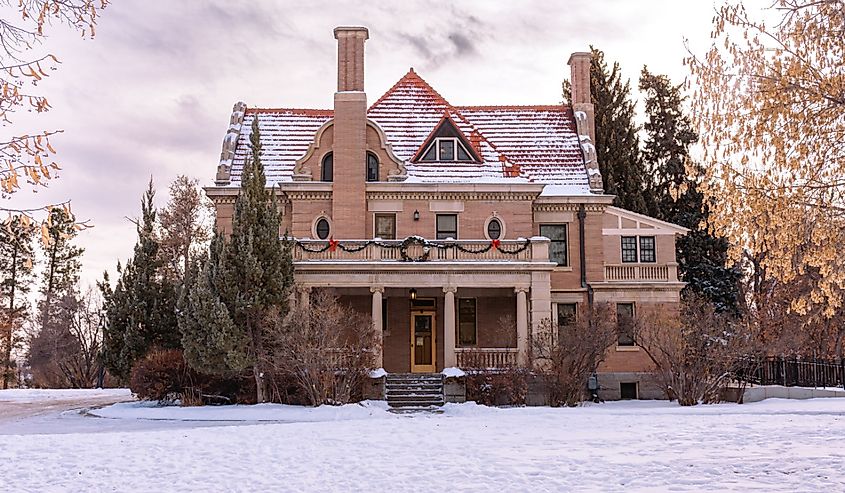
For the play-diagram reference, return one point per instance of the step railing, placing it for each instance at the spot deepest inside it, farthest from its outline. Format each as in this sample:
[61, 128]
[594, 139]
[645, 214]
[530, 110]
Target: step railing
[486, 358]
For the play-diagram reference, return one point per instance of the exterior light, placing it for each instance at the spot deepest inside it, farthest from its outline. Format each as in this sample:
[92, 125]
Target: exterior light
[416, 215]
[413, 293]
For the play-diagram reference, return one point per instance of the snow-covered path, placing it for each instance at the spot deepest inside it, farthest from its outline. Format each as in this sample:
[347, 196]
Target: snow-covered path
[774, 445]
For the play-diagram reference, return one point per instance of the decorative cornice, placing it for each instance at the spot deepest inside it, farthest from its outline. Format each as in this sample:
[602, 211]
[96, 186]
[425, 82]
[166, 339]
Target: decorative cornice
[568, 207]
[308, 195]
[468, 195]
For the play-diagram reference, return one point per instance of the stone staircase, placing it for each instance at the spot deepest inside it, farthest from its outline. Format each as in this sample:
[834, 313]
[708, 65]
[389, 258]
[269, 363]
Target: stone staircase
[413, 391]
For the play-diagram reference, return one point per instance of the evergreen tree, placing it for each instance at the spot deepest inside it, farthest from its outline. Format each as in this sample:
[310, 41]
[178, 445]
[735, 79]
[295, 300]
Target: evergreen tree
[140, 312]
[61, 272]
[702, 257]
[17, 257]
[251, 275]
[617, 144]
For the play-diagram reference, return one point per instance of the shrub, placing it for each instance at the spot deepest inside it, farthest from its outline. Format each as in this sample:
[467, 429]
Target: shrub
[498, 387]
[162, 375]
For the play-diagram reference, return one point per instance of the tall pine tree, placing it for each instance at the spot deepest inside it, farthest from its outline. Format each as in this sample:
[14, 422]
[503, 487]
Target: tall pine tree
[62, 261]
[140, 312]
[245, 281]
[17, 257]
[702, 257]
[617, 144]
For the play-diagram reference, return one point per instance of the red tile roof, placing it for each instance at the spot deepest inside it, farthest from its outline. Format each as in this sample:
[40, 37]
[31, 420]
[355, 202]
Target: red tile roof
[541, 142]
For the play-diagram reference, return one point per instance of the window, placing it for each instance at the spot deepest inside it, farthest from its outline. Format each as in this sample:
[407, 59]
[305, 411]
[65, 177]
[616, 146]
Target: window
[494, 229]
[647, 249]
[467, 322]
[446, 149]
[384, 318]
[385, 226]
[447, 226]
[558, 251]
[565, 317]
[646, 253]
[628, 390]
[629, 248]
[625, 324]
[322, 228]
[372, 167]
[327, 168]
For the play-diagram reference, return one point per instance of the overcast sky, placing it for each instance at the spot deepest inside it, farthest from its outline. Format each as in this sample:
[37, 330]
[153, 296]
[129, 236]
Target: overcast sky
[151, 95]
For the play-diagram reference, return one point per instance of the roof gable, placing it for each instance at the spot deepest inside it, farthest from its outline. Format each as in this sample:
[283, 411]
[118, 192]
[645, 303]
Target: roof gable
[447, 128]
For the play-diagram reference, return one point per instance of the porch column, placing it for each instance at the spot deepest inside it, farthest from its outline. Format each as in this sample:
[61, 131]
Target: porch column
[378, 324]
[522, 325]
[449, 359]
[304, 295]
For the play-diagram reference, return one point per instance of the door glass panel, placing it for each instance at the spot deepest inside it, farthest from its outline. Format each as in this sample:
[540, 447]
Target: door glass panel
[422, 340]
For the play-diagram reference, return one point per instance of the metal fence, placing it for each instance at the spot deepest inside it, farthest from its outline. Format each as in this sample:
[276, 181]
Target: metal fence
[793, 372]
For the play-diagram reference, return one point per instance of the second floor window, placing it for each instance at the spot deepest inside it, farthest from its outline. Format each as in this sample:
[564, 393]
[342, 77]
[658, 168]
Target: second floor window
[322, 228]
[467, 329]
[638, 249]
[372, 167]
[327, 168]
[385, 226]
[447, 226]
[558, 250]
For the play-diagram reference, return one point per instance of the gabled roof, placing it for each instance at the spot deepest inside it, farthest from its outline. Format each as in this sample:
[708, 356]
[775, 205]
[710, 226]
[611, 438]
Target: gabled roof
[446, 127]
[540, 143]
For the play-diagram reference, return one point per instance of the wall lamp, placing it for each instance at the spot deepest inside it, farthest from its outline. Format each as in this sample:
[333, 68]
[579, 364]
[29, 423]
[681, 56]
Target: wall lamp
[416, 215]
[412, 293]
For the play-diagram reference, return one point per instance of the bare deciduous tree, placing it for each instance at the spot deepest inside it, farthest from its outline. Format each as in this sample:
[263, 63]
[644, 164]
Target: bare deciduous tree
[184, 225]
[567, 355]
[325, 348]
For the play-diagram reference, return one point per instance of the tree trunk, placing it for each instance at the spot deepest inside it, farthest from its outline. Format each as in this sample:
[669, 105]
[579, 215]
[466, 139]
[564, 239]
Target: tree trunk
[260, 384]
[7, 354]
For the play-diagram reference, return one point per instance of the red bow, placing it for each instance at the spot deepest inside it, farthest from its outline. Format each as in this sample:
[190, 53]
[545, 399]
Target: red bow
[496, 244]
[333, 244]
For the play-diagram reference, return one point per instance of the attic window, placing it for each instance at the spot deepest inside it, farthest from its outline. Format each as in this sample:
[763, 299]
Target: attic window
[446, 149]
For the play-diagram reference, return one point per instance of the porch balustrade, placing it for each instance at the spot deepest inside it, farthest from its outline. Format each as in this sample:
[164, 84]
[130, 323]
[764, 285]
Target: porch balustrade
[520, 250]
[641, 272]
[486, 358]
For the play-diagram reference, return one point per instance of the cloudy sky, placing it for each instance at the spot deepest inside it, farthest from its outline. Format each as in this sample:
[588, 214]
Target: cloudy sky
[151, 95]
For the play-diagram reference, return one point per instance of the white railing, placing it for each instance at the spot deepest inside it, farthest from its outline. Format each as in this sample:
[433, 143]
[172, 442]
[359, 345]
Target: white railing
[534, 250]
[641, 272]
[486, 358]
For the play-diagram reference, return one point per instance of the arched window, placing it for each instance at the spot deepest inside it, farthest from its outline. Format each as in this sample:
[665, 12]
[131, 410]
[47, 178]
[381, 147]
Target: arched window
[372, 167]
[322, 228]
[327, 169]
[494, 229]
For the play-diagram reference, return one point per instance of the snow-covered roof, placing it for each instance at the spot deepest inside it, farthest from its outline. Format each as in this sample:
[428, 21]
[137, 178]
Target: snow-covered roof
[536, 144]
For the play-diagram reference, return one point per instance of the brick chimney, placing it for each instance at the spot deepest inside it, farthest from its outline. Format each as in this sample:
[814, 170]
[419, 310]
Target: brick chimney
[349, 198]
[579, 64]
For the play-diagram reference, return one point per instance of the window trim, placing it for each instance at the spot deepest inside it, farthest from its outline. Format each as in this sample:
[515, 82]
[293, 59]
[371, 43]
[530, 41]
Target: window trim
[457, 143]
[375, 224]
[501, 227]
[638, 250]
[314, 226]
[653, 249]
[437, 229]
[565, 241]
[458, 341]
[327, 156]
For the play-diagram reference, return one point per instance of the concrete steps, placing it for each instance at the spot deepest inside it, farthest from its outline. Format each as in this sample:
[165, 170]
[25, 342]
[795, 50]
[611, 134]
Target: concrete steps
[414, 391]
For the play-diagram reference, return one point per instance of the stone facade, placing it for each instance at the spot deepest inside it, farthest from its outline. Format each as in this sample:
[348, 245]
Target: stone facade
[516, 281]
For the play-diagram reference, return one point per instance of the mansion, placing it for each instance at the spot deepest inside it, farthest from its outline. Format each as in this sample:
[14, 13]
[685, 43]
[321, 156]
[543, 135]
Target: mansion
[458, 228]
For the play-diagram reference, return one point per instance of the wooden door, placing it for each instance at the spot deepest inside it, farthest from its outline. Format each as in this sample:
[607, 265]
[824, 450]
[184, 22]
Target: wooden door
[423, 342]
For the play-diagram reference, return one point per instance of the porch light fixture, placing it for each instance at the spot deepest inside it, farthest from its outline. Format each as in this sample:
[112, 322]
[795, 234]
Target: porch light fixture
[416, 215]
[412, 294]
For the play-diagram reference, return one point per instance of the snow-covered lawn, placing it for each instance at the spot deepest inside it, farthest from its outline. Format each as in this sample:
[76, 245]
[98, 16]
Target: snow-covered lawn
[774, 445]
[36, 395]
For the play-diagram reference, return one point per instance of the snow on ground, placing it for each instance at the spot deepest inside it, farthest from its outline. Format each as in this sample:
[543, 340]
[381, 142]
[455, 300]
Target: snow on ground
[774, 445]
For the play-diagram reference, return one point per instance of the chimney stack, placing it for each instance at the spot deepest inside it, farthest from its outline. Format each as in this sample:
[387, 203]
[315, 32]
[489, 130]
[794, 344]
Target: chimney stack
[579, 64]
[349, 148]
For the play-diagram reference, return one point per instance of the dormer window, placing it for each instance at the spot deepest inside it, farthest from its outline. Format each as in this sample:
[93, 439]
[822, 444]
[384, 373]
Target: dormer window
[446, 149]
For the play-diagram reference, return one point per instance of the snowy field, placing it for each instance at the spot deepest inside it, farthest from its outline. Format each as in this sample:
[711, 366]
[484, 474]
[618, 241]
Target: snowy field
[774, 445]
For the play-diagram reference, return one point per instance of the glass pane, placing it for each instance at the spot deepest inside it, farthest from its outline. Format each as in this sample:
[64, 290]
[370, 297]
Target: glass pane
[466, 321]
[372, 167]
[625, 324]
[553, 231]
[565, 313]
[386, 226]
[647, 253]
[447, 226]
[327, 171]
[629, 248]
[447, 149]
[494, 229]
[557, 248]
[462, 154]
[430, 154]
[322, 229]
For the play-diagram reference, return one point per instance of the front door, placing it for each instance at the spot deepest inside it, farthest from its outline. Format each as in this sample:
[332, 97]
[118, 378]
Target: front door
[422, 342]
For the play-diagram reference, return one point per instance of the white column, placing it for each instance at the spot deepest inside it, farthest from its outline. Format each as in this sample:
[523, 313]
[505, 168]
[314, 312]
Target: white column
[449, 358]
[541, 302]
[378, 324]
[522, 325]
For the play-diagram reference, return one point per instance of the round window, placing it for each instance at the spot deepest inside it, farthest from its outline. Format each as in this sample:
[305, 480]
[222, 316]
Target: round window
[494, 229]
[322, 228]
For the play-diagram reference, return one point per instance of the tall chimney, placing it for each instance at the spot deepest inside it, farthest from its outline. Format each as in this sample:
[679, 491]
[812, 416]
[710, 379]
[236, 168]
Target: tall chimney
[579, 64]
[349, 194]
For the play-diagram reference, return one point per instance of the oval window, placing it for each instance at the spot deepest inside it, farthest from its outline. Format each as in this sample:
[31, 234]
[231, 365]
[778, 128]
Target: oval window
[494, 229]
[322, 228]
